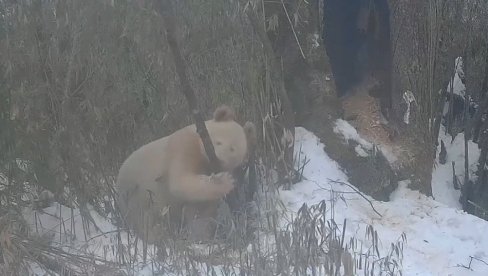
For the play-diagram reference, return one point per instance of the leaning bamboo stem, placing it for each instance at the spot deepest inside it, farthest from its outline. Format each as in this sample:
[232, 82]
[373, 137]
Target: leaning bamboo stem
[165, 9]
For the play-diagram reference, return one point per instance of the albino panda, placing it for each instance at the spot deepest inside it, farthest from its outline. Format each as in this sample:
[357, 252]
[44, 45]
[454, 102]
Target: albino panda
[172, 174]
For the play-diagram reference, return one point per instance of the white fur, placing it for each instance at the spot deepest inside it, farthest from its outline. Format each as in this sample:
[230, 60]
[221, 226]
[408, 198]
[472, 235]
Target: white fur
[173, 171]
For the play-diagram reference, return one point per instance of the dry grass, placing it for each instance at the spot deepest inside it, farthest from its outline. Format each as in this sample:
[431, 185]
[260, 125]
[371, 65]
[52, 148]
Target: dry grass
[310, 242]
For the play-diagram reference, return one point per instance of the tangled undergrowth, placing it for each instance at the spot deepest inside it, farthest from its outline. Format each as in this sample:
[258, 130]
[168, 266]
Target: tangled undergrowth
[263, 239]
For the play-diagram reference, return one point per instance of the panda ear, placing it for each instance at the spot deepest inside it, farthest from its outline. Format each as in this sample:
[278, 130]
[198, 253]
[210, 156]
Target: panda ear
[250, 130]
[223, 113]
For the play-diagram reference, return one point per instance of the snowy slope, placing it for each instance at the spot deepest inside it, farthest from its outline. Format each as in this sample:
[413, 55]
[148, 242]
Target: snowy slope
[440, 239]
[67, 231]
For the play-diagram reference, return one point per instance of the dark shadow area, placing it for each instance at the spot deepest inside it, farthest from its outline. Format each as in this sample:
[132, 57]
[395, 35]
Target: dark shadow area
[357, 42]
[312, 95]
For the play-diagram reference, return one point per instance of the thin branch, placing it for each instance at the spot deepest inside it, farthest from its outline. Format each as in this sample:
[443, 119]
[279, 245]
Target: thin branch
[357, 191]
[480, 260]
[471, 258]
[106, 233]
[293, 29]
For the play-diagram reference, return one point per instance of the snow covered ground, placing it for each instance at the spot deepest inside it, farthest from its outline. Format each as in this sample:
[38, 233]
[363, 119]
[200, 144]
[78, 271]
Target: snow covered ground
[440, 239]
[348, 132]
[442, 179]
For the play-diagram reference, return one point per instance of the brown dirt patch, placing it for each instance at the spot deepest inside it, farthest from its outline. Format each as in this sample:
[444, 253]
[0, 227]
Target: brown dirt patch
[363, 112]
[372, 175]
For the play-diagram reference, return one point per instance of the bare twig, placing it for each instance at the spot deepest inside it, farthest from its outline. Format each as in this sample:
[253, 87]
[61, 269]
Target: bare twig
[293, 29]
[455, 181]
[332, 190]
[357, 191]
[480, 260]
[108, 232]
[471, 258]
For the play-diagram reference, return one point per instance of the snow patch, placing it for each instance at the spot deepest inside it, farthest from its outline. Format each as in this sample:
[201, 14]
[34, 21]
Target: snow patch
[459, 88]
[442, 178]
[349, 133]
[360, 151]
[408, 98]
[440, 239]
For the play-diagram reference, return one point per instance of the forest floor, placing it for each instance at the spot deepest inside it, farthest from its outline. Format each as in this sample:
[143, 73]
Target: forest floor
[434, 237]
[440, 240]
[413, 232]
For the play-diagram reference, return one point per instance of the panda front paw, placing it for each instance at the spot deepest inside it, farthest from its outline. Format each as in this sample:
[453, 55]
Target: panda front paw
[224, 182]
